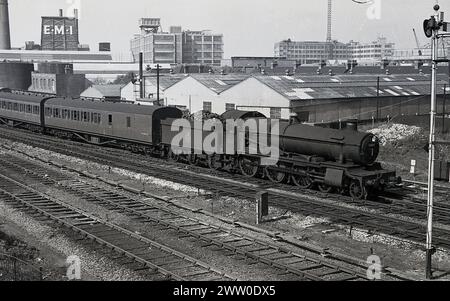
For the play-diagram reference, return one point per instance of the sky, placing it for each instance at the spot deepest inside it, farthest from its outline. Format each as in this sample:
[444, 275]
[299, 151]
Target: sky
[250, 27]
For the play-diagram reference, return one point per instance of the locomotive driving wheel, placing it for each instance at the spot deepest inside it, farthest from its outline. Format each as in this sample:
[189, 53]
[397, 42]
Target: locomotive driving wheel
[357, 191]
[274, 175]
[248, 166]
[302, 181]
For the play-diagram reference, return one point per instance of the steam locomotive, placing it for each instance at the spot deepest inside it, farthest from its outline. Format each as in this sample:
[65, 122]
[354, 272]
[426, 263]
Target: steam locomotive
[331, 160]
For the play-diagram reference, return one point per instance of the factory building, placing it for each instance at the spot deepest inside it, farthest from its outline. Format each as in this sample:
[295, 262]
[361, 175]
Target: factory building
[58, 79]
[308, 52]
[176, 46]
[157, 46]
[325, 98]
[202, 47]
[199, 92]
[311, 52]
[333, 99]
[313, 98]
[372, 52]
[60, 33]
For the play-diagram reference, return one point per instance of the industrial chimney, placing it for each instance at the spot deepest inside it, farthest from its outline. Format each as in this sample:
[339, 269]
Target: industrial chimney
[5, 36]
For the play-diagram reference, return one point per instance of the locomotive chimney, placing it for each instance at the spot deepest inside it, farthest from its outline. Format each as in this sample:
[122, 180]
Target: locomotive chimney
[61, 12]
[5, 34]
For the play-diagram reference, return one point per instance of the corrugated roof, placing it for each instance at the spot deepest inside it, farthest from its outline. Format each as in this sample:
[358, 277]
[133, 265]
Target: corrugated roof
[350, 86]
[165, 81]
[219, 83]
[108, 90]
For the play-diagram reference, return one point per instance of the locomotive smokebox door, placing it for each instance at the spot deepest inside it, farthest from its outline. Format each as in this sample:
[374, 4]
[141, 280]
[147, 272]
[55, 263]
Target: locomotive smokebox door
[334, 177]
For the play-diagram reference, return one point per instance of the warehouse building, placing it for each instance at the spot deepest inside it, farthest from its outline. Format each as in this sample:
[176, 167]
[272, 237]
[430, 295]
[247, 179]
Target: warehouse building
[311, 52]
[176, 46]
[314, 52]
[360, 97]
[199, 92]
[327, 98]
[314, 99]
[58, 79]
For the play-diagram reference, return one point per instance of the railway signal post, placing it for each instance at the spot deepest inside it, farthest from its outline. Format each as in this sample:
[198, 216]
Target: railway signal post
[432, 27]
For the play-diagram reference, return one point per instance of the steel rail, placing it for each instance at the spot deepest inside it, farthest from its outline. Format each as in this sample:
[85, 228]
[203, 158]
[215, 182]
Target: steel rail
[66, 214]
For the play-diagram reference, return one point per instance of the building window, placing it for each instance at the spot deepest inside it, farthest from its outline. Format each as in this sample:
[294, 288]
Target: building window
[128, 122]
[230, 107]
[275, 113]
[207, 106]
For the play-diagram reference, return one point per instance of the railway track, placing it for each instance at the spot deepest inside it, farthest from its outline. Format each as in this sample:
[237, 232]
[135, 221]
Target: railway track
[421, 186]
[294, 199]
[293, 265]
[151, 256]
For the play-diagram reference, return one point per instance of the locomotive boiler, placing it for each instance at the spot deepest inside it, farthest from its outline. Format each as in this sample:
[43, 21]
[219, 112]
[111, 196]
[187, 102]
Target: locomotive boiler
[333, 145]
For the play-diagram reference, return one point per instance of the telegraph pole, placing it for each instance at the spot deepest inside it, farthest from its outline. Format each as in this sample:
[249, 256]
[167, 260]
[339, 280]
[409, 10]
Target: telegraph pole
[157, 83]
[443, 108]
[378, 99]
[431, 28]
[141, 75]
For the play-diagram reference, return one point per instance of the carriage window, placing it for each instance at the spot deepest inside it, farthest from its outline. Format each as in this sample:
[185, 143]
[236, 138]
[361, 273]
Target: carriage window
[21, 108]
[9, 106]
[48, 112]
[92, 118]
[56, 113]
[15, 106]
[99, 118]
[36, 110]
[128, 122]
[110, 119]
[28, 109]
[84, 117]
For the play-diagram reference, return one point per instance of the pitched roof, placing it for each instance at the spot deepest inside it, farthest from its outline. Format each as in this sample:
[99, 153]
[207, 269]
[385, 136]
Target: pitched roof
[165, 81]
[108, 90]
[219, 83]
[349, 86]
